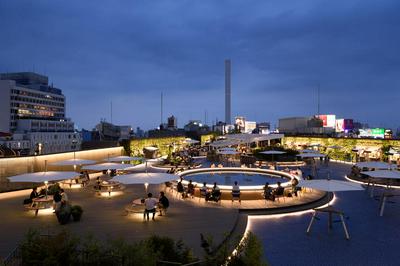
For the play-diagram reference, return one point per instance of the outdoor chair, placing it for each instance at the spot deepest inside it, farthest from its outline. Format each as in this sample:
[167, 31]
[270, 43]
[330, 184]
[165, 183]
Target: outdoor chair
[203, 194]
[236, 196]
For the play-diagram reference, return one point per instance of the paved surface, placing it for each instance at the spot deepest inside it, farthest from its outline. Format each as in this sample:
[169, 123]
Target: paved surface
[374, 240]
[105, 218]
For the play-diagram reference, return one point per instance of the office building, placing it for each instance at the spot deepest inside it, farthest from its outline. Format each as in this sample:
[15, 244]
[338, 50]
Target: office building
[34, 111]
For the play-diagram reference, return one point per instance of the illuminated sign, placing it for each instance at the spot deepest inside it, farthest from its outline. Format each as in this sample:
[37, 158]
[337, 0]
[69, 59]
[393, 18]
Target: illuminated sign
[328, 120]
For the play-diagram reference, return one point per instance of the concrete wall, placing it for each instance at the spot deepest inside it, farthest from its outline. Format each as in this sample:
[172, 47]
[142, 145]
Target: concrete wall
[20, 165]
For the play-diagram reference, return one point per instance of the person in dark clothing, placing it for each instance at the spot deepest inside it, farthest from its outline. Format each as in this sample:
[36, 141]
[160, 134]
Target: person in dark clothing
[279, 190]
[268, 192]
[190, 188]
[34, 194]
[180, 188]
[163, 203]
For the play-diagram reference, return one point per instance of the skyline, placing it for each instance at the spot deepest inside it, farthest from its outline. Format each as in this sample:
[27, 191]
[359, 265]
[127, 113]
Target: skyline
[129, 53]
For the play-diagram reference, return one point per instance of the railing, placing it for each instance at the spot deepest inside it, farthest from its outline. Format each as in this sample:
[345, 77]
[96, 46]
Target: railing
[14, 258]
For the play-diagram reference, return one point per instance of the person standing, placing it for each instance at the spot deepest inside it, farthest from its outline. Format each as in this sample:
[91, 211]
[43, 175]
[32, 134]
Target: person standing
[163, 203]
[150, 206]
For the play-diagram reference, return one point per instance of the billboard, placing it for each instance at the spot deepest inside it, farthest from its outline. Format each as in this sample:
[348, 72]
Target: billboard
[240, 123]
[342, 125]
[328, 120]
[250, 126]
[339, 125]
[378, 133]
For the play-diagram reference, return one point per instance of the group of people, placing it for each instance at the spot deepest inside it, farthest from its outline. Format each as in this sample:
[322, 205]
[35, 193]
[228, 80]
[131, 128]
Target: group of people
[271, 193]
[60, 198]
[151, 204]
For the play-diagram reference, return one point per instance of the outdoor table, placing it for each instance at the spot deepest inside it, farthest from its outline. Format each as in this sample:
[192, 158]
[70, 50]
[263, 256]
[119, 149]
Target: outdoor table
[40, 203]
[384, 196]
[109, 186]
[330, 210]
[137, 206]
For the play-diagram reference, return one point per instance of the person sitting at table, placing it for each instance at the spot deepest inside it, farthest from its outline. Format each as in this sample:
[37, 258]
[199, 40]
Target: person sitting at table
[190, 188]
[204, 190]
[163, 203]
[268, 192]
[34, 193]
[215, 193]
[294, 182]
[236, 191]
[279, 190]
[180, 188]
[150, 204]
[98, 182]
[57, 201]
[64, 196]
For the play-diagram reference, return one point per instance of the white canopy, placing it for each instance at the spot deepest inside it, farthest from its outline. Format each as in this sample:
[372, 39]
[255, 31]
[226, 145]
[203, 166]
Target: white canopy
[227, 149]
[142, 178]
[123, 159]
[249, 138]
[310, 155]
[273, 152]
[383, 174]
[41, 177]
[335, 147]
[224, 143]
[106, 166]
[150, 148]
[190, 141]
[307, 151]
[375, 165]
[330, 185]
[227, 152]
[73, 162]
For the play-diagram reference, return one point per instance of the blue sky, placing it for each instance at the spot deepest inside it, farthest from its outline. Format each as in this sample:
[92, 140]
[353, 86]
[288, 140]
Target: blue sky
[128, 52]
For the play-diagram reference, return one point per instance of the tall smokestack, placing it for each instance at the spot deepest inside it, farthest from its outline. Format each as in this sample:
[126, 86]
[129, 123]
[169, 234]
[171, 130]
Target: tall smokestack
[228, 91]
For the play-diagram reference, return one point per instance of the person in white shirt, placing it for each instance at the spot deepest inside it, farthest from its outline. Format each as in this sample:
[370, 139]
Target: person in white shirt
[150, 205]
[236, 191]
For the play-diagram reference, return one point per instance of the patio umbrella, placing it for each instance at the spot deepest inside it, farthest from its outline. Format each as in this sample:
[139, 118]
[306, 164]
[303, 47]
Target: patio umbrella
[375, 165]
[310, 155]
[227, 149]
[123, 159]
[106, 166]
[272, 153]
[336, 147]
[330, 186]
[73, 162]
[150, 148]
[227, 152]
[387, 174]
[307, 151]
[40, 177]
[43, 177]
[190, 141]
[144, 178]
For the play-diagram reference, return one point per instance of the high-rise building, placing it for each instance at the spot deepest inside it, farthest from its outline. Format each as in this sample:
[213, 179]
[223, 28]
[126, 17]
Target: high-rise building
[30, 106]
[228, 92]
[172, 123]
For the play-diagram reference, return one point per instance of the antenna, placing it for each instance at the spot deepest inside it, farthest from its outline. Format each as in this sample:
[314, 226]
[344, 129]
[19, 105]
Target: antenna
[161, 108]
[318, 101]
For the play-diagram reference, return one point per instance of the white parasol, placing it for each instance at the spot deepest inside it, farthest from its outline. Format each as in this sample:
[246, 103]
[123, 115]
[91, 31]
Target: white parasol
[144, 178]
[272, 152]
[389, 174]
[310, 155]
[150, 148]
[40, 177]
[330, 185]
[375, 165]
[190, 141]
[123, 159]
[307, 151]
[74, 162]
[106, 166]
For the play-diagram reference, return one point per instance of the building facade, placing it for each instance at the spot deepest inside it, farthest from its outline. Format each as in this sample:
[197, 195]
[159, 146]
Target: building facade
[32, 110]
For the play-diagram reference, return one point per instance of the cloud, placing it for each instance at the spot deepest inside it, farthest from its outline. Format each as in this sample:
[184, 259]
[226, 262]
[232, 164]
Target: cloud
[129, 51]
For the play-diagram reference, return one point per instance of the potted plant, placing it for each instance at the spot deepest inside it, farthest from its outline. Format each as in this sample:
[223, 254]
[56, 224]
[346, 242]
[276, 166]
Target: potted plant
[76, 212]
[64, 214]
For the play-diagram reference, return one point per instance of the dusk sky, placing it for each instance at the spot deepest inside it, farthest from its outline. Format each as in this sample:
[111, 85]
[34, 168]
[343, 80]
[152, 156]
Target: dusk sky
[128, 52]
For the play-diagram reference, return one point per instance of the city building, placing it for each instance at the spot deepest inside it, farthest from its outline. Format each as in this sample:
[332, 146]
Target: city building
[34, 111]
[304, 125]
[228, 120]
[172, 123]
[263, 128]
[111, 132]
